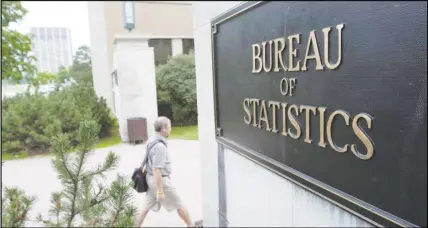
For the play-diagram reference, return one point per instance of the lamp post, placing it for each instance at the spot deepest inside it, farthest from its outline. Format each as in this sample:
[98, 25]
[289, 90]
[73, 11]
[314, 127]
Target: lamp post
[128, 15]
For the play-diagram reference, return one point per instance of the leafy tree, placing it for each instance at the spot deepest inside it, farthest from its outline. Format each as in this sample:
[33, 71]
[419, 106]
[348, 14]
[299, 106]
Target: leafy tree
[176, 85]
[83, 195]
[82, 58]
[63, 74]
[81, 70]
[16, 60]
[44, 78]
[15, 206]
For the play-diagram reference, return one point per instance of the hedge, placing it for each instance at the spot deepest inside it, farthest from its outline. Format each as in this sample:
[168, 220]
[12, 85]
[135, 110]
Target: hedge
[29, 121]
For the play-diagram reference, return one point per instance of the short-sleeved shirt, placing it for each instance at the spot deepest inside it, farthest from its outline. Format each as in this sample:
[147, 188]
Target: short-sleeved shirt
[158, 155]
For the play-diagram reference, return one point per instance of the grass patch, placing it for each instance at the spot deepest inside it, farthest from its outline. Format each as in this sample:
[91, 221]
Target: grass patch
[6, 157]
[184, 132]
[105, 142]
[111, 141]
[177, 132]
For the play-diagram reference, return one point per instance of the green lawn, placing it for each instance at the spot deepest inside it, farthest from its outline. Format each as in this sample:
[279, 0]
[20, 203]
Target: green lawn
[106, 142]
[184, 132]
[5, 157]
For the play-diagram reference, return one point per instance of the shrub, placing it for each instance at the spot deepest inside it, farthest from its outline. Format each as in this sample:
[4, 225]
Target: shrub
[28, 124]
[176, 86]
[29, 121]
[91, 107]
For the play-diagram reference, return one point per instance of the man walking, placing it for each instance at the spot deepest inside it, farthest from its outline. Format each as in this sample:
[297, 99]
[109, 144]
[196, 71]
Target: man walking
[161, 191]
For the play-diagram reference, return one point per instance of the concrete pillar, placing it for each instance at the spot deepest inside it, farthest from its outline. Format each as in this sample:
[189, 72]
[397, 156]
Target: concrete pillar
[99, 50]
[177, 47]
[135, 64]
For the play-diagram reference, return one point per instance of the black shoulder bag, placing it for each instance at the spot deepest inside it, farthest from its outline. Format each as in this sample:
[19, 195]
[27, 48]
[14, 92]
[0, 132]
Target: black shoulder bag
[140, 173]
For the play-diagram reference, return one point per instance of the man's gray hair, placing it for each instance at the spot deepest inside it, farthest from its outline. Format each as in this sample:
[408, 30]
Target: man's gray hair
[161, 122]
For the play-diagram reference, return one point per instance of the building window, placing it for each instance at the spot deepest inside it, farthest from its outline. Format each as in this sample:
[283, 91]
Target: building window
[188, 44]
[162, 49]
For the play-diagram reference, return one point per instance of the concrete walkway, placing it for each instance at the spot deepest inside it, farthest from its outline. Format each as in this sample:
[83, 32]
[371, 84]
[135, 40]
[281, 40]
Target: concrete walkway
[37, 177]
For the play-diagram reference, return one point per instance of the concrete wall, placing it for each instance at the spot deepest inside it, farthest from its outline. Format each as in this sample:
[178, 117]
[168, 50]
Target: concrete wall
[254, 195]
[202, 14]
[135, 64]
[153, 20]
[275, 201]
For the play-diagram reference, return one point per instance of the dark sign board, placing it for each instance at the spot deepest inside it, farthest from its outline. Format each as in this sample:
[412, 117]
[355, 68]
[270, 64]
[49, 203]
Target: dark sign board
[332, 96]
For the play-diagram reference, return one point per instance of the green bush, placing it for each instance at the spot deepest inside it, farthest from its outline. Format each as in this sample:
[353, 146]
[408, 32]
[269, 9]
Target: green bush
[176, 87]
[30, 121]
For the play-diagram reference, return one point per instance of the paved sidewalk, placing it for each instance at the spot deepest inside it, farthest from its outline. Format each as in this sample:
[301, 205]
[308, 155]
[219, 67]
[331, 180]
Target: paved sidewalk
[37, 178]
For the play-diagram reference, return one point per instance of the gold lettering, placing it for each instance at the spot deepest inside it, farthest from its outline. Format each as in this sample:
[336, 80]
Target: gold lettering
[322, 143]
[257, 57]
[275, 106]
[294, 122]
[329, 126]
[312, 42]
[246, 103]
[326, 47]
[362, 136]
[264, 116]
[264, 56]
[293, 52]
[292, 85]
[308, 108]
[281, 85]
[255, 102]
[284, 119]
[278, 54]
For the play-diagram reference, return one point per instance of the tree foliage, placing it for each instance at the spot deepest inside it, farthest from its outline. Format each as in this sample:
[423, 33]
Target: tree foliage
[84, 200]
[63, 74]
[29, 121]
[176, 85]
[16, 60]
[81, 70]
[83, 193]
[44, 78]
[15, 205]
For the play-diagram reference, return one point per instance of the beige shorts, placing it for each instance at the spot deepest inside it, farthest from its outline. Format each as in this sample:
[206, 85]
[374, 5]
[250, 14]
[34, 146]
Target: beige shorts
[172, 200]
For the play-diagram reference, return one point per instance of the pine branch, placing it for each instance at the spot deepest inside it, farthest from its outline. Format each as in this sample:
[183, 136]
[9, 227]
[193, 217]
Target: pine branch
[15, 207]
[73, 204]
[120, 197]
[47, 223]
[100, 207]
[94, 202]
[110, 163]
[116, 213]
[60, 146]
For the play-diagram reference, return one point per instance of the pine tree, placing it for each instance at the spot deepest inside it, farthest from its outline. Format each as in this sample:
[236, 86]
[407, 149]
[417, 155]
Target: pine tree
[15, 206]
[84, 199]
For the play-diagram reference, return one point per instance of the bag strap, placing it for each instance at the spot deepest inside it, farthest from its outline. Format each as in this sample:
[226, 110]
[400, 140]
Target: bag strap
[146, 157]
[143, 164]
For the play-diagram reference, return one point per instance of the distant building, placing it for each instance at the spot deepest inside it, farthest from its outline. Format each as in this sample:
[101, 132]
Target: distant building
[52, 48]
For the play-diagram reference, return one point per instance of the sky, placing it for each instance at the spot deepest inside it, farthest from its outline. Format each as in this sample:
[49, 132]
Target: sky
[73, 15]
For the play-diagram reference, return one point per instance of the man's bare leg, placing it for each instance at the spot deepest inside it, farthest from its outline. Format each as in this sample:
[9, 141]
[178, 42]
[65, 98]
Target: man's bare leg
[140, 218]
[184, 214]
